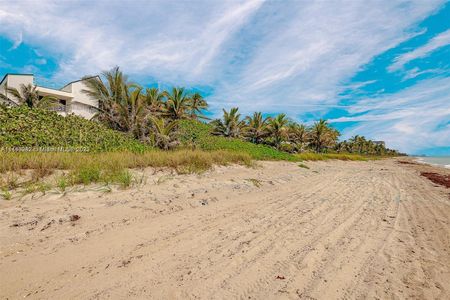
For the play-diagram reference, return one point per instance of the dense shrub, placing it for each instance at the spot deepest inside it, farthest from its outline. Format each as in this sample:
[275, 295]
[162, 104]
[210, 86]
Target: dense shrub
[24, 127]
[196, 134]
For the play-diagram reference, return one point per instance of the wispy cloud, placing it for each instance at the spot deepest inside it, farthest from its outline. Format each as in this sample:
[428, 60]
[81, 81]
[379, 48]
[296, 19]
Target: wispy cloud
[411, 120]
[441, 40]
[168, 40]
[306, 58]
[414, 72]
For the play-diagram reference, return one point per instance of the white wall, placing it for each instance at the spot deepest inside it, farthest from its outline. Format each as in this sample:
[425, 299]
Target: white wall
[82, 110]
[15, 81]
[82, 104]
[78, 102]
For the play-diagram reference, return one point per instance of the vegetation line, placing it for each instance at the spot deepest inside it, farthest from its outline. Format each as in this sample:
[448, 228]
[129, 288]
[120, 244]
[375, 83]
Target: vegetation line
[152, 117]
[137, 127]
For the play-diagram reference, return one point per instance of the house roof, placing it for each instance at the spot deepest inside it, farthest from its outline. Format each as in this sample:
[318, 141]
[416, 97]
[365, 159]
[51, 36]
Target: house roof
[14, 74]
[17, 74]
[82, 79]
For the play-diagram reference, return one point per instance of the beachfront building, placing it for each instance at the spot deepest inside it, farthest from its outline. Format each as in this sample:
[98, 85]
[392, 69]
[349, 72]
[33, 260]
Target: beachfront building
[381, 143]
[71, 98]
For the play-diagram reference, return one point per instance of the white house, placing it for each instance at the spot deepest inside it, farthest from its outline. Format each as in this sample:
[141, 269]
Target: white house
[71, 97]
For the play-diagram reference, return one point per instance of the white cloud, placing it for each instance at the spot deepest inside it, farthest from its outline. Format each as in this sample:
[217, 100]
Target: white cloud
[17, 42]
[306, 58]
[411, 120]
[168, 40]
[441, 40]
[414, 72]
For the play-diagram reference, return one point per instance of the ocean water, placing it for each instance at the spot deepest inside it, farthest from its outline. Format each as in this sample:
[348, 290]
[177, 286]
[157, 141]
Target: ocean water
[442, 161]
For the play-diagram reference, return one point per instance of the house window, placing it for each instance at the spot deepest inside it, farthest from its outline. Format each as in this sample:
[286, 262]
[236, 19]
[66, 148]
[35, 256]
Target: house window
[60, 107]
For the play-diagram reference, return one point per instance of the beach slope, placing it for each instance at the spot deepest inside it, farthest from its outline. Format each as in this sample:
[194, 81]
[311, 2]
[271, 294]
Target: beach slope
[277, 231]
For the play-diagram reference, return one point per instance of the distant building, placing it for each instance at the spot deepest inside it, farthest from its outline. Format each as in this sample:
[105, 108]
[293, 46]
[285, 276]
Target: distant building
[71, 97]
[379, 143]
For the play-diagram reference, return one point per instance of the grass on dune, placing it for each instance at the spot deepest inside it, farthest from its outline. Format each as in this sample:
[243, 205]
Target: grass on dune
[105, 167]
[115, 155]
[115, 167]
[194, 159]
[339, 156]
[199, 134]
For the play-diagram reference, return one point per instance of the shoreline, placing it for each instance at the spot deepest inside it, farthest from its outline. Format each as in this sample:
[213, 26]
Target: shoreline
[420, 160]
[437, 174]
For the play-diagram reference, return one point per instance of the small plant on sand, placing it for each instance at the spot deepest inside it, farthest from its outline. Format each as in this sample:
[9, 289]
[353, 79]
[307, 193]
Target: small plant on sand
[141, 180]
[255, 182]
[6, 194]
[86, 175]
[43, 187]
[303, 166]
[62, 183]
[40, 173]
[163, 179]
[106, 189]
[125, 179]
[29, 189]
[12, 181]
[33, 187]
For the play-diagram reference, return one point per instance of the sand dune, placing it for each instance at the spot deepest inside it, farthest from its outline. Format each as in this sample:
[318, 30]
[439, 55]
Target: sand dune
[337, 230]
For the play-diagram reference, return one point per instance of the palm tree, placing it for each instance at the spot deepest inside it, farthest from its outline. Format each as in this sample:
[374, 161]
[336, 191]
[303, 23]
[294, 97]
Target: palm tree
[177, 104]
[297, 134]
[256, 127]
[380, 149]
[231, 124]
[322, 135]
[342, 147]
[132, 111]
[197, 105]
[154, 99]
[163, 133]
[358, 143]
[109, 95]
[28, 95]
[277, 129]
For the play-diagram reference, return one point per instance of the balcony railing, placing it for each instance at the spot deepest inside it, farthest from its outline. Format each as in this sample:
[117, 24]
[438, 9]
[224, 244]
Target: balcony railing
[59, 108]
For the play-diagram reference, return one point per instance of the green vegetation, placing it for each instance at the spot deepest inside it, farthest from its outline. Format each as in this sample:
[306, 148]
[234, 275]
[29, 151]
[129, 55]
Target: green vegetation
[257, 183]
[340, 156]
[152, 116]
[194, 134]
[286, 135]
[33, 187]
[137, 128]
[87, 166]
[303, 166]
[27, 95]
[62, 183]
[21, 126]
[104, 167]
[6, 194]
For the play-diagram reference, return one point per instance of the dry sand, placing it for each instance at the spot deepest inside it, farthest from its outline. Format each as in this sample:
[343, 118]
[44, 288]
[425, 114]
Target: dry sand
[337, 230]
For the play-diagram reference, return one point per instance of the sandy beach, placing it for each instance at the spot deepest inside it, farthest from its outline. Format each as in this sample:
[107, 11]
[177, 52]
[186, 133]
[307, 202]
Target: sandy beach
[338, 230]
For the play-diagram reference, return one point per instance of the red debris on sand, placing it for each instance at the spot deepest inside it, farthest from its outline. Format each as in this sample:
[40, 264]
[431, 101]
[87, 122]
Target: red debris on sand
[440, 179]
[406, 162]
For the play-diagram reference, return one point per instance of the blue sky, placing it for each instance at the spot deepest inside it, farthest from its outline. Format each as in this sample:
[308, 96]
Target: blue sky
[376, 68]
